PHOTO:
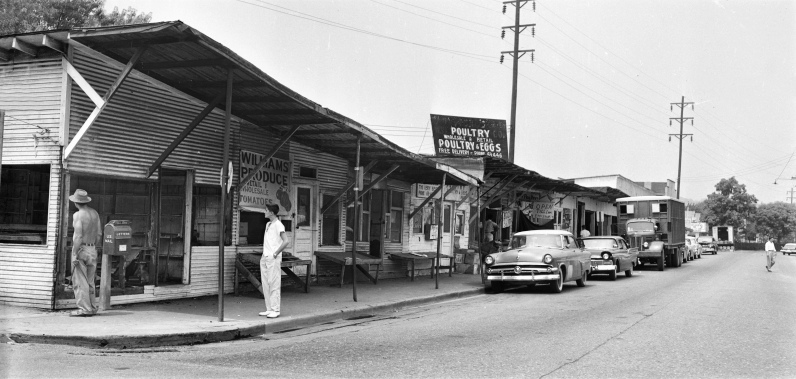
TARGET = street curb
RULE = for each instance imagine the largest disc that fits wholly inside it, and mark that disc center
(233, 333)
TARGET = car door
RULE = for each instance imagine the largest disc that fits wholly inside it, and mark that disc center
(579, 259)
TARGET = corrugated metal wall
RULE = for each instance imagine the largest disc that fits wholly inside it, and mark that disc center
(31, 95)
(139, 122)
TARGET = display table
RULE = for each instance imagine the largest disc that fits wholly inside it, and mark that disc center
(344, 259)
(248, 264)
(422, 257)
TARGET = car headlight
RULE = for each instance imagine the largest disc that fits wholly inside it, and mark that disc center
(606, 256)
(646, 245)
(489, 260)
(547, 259)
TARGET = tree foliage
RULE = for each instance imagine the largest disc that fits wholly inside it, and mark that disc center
(777, 220)
(23, 16)
(730, 205)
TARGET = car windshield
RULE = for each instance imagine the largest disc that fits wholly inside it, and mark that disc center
(789, 246)
(600, 243)
(536, 240)
(705, 239)
(640, 227)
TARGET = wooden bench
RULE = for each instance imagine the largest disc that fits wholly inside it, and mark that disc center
(248, 264)
(344, 259)
(422, 257)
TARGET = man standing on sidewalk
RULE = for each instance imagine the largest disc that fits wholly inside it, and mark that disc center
(274, 242)
(771, 253)
(87, 232)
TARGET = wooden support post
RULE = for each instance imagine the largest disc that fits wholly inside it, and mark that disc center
(222, 211)
(357, 176)
(439, 230)
(105, 283)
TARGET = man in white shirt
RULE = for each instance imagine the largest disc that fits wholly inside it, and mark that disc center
(585, 232)
(771, 253)
(274, 242)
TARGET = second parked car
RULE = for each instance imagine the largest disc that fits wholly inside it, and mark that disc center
(789, 248)
(708, 244)
(694, 248)
(610, 255)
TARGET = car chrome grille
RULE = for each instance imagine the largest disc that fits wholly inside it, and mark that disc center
(524, 270)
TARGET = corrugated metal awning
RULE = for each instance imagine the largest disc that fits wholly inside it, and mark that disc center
(189, 61)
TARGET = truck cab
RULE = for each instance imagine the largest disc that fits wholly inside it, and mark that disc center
(656, 226)
(644, 234)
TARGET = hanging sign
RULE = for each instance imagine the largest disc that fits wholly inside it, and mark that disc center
(539, 209)
(271, 185)
(457, 194)
(464, 136)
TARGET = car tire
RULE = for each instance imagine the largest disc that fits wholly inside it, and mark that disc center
(612, 275)
(660, 261)
(629, 273)
(582, 281)
(557, 286)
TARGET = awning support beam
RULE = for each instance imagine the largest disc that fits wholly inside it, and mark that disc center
(268, 156)
(347, 188)
(426, 201)
(108, 95)
(373, 184)
(188, 129)
(495, 195)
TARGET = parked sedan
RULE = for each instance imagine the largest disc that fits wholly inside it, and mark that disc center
(708, 244)
(693, 247)
(610, 255)
(549, 257)
(789, 248)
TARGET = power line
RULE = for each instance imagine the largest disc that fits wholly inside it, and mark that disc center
(433, 19)
(446, 15)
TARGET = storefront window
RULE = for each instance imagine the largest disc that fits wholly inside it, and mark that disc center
(24, 199)
(396, 216)
(206, 206)
(330, 225)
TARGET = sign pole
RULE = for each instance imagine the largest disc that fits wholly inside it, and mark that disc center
(358, 180)
(439, 229)
(223, 206)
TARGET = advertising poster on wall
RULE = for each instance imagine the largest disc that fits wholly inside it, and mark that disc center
(271, 185)
(465, 136)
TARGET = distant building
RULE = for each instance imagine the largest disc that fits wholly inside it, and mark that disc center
(666, 188)
(615, 182)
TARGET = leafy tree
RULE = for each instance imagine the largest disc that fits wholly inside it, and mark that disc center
(776, 219)
(730, 205)
(23, 16)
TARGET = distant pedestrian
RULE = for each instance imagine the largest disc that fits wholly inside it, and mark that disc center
(274, 242)
(489, 229)
(771, 253)
(87, 233)
(584, 232)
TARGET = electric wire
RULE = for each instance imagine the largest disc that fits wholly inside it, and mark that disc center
(433, 19)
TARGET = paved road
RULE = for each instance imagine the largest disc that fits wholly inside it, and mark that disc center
(721, 316)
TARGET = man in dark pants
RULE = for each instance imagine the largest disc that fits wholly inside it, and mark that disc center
(87, 233)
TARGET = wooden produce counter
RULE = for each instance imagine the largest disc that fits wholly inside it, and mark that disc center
(344, 259)
(248, 264)
(422, 257)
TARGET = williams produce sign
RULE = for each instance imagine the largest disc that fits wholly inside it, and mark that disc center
(464, 136)
(271, 185)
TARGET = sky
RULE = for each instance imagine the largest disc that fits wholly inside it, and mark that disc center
(594, 101)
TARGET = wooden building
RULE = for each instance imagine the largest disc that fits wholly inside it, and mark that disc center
(173, 132)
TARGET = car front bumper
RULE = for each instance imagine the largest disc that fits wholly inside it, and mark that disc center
(602, 267)
(523, 274)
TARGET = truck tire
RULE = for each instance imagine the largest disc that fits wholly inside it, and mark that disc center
(612, 275)
(660, 261)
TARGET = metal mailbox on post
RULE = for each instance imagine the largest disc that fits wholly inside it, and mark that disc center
(115, 241)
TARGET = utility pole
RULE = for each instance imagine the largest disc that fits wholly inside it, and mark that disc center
(516, 54)
(682, 104)
(791, 196)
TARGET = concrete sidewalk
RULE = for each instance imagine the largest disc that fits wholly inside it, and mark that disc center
(195, 320)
